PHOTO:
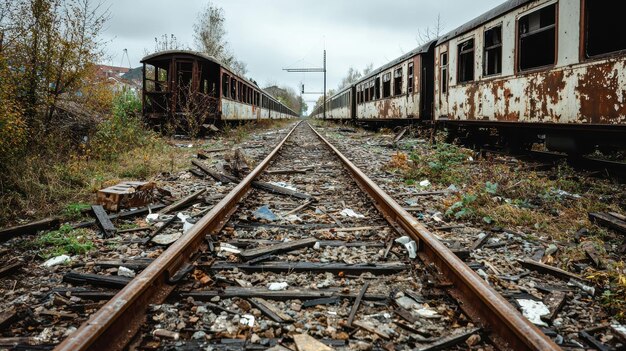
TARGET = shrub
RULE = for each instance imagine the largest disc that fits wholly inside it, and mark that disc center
(123, 131)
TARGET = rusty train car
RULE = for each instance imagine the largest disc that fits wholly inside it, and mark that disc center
(534, 70)
(178, 83)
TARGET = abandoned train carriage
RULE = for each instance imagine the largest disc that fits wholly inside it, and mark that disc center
(537, 68)
(178, 83)
(401, 89)
(530, 69)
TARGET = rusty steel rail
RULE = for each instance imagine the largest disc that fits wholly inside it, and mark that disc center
(114, 325)
(509, 330)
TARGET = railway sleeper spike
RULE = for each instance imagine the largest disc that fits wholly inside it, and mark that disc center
(121, 317)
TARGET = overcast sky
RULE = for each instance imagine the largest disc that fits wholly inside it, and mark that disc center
(269, 35)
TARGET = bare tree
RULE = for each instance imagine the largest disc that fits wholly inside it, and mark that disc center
(210, 37)
(351, 77)
(368, 69)
(429, 33)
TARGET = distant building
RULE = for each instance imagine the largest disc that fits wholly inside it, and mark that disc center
(116, 77)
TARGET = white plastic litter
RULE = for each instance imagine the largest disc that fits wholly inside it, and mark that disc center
(437, 217)
(452, 188)
(55, 261)
(294, 219)
(533, 310)
(427, 313)
(350, 213)
(424, 183)
(407, 303)
(588, 289)
(284, 185)
(224, 247)
(186, 225)
(277, 286)
(410, 245)
(152, 217)
(247, 319)
(317, 245)
(125, 272)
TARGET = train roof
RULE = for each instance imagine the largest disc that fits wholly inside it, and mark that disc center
(417, 51)
(496, 12)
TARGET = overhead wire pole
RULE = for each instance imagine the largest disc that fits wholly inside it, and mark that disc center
(312, 70)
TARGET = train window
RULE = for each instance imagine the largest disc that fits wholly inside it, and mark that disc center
(225, 81)
(537, 39)
(233, 88)
(397, 81)
(367, 91)
(601, 30)
(466, 61)
(444, 72)
(241, 91)
(372, 94)
(493, 51)
(409, 82)
(386, 85)
(377, 90)
(362, 94)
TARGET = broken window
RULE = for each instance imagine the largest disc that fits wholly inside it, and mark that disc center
(466, 61)
(397, 81)
(371, 89)
(233, 88)
(410, 75)
(386, 85)
(601, 36)
(377, 90)
(537, 39)
(225, 81)
(493, 51)
(444, 72)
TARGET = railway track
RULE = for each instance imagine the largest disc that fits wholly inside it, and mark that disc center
(321, 265)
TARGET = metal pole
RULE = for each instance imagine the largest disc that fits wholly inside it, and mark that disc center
(324, 102)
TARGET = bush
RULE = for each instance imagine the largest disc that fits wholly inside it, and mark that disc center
(123, 131)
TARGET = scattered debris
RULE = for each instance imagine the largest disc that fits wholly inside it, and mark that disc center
(346, 212)
(533, 310)
(55, 261)
(409, 244)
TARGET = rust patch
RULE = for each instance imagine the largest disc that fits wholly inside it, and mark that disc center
(598, 89)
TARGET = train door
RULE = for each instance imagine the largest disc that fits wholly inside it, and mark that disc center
(184, 83)
(427, 84)
(353, 102)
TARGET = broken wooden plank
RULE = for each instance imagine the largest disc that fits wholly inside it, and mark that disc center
(284, 295)
(480, 241)
(592, 253)
(299, 208)
(400, 135)
(606, 220)
(554, 301)
(357, 303)
(214, 174)
(15, 341)
(7, 317)
(305, 342)
(405, 314)
(275, 189)
(546, 269)
(182, 202)
(131, 264)
(122, 215)
(449, 341)
(30, 228)
(103, 221)
(370, 328)
(279, 248)
(10, 268)
(96, 279)
(323, 301)
(290, 171)
(591, 340)
(382, 268)
(270, 310)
